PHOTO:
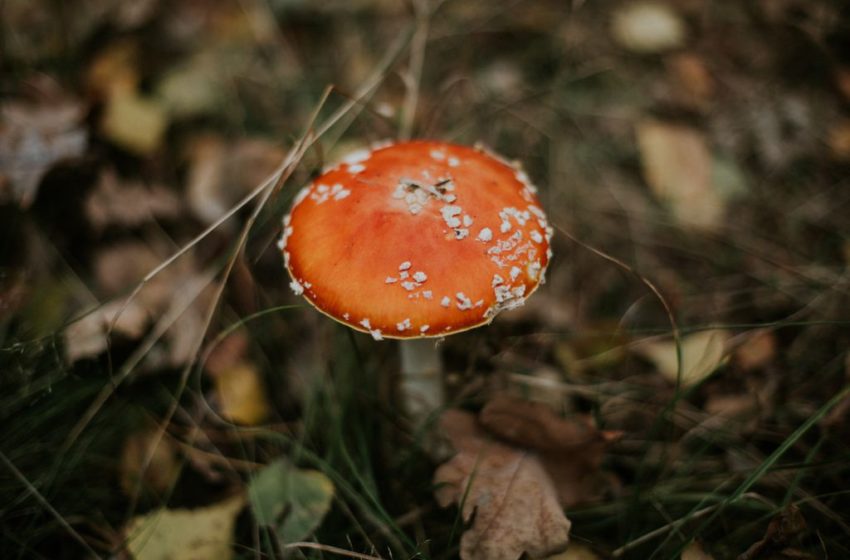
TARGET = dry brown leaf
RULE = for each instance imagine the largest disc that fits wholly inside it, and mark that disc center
(220, 174)
(571, 450)
(576, 552)
(702, 353)
(33, 137)
(508, 492)
(677, 165)
(648, 27)
(128, 204)
(781, 532)
(148, 463)
(87, 337)
(756, 352)
(694, 551)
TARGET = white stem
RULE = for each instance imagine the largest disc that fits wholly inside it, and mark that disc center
(421, 378)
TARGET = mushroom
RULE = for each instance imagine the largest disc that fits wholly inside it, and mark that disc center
(415, 241)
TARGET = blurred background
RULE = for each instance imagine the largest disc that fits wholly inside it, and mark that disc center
(692, 155)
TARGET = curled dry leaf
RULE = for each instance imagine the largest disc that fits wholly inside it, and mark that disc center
(33, 137)
(505, 489)
(134, 122)
(678, 167)
(648, 27)
(129, 204)
(148, 463)
(702, 353)
(87, 337)
(571, 450)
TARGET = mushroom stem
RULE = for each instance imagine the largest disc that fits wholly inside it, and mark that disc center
(421, 378)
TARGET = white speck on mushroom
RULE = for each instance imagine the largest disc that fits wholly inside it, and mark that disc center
(415, 208)
(356, 168)
(302, 194)
(424, 328)
(535, 236)
(366, 324)
(445, 302)
(427, 294)
(454, 162)
(515, 272)
(409, 286)
(322, 189)
(346, 316)
(438, 155)
(420, 276)
(497, 280)
(391, 280)
(281, 243)
(534, 270)
(461, 233)
(307, 285)
(404, 325)
(357, 156)
(286, 258)
(405, 265)
(297, 288)
(403, 275)
(463, 302)
(467, 220)
(376, 334)
(449, 198)
(505, 227)
(450, 213)
(486, 234)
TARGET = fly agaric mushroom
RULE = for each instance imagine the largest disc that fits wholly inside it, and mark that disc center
(417, 240)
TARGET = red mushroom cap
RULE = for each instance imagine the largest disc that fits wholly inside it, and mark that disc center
(417, 239)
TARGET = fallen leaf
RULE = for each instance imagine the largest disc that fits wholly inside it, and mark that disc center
(134, 122)
(194, 87)
(148, 463)
(182, 534)
(129, 204)
(35, 136)
(648, 27)
(782, 530)
(839, 140)
(293, 501)
(757, 351)
(576, 552)
(241, 394)
(678, 167)
(702, 353)
(571, 450)
(114, 69)
(692, 78)
(508, 492)
(221, 173)
(694, 551)
(87, 337)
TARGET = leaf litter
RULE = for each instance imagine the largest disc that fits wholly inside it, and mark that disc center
(517, 465)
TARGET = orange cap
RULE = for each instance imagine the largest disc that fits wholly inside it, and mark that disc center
(417, 239)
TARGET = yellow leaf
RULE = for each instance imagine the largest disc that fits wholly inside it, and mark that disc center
(702, 353)
(241, 394)
(181, 534)
(648, 27)
(134, 122)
